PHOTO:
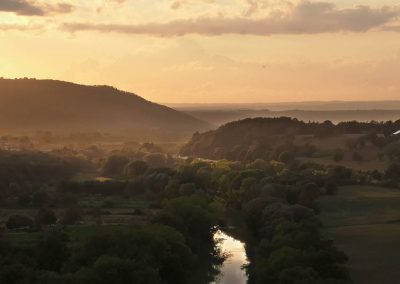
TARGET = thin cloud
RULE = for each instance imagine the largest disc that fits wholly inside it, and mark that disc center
(176, 5)
(304, 18)
(179, 4)
(392, 29)
(31, 8)
(253, 7)
(11, 27)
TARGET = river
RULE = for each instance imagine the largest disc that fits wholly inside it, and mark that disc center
(231, 269)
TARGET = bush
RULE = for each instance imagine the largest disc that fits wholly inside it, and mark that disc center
(331, 187)
(40, 198)
(19, 221)
(71, 216)
(45, 217)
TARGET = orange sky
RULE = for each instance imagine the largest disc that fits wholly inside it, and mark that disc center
(209, 50)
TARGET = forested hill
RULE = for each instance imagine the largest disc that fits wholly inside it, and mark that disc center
(278, 138)
(29, 104)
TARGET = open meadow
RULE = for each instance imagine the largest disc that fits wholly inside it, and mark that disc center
(364, 222)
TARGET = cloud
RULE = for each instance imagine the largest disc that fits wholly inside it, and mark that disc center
(30, 8)
(304, 18)
(61, 8)
(253, 7)
(12, 27)
(199, 76)
(392, 28)
(20, 7)
(178, 4)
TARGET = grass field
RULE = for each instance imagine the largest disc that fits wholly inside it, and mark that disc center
(364, 221)
(328, 146)
(120, 215)
(366, 165)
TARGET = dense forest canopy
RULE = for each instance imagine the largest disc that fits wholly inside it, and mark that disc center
(60, 229)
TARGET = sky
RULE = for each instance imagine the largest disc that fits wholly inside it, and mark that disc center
(209, 51)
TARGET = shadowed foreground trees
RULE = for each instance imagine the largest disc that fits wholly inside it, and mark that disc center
(173, 240)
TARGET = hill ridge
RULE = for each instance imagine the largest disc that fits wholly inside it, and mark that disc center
(32, 104)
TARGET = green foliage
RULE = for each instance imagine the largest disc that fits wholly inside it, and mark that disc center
(192, 217)
(275, 139)
(52, 250)
(136, 168)
(393, 172)
(115, 165)
(45, 216)
(154, 254)
(170, 237)
(288, 244)
(71, 216)
(19, 221)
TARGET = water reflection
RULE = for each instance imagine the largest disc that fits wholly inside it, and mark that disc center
(231, 269)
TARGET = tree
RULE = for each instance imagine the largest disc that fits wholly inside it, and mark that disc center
(286, 157)
(67, 199)
(135, 188)
(114, 270)
(393, 172)
(11, 273)
(187, 189)
(136, 168)
(45, 217)
(308, 194)
(24, 200)
(52, 250)
(193, 218)
(297, 274)
(115, 165)
(71, 216)
(40, 198)
(156, 160)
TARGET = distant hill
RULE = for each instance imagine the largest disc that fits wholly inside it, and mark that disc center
(30, 105)
(222, 116)
(286, 139)
(310, 105)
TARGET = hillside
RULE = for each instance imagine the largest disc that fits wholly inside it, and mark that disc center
(30, 105)
(354, 144)
(283, 106)
(222, 116)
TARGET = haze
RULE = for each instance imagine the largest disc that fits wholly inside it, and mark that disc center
(197, 51)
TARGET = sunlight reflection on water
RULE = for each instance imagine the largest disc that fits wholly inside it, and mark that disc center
(231, 270)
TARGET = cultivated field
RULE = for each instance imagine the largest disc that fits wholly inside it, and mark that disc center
(364, 221)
